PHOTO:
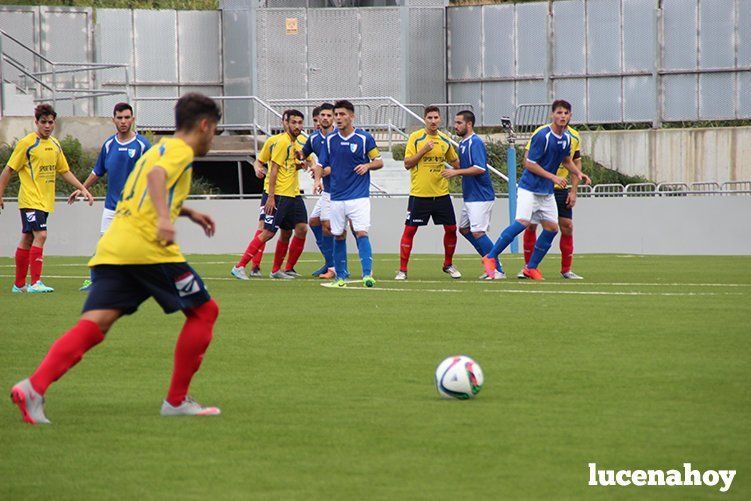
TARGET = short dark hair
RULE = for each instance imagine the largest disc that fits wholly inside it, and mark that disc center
(122, 107)
(431, 109)
(294, 113)
(343, 103)
(326, 106)
(193, 107)
(44, 110)
(468, 116)
(560, 103)
(316, 111)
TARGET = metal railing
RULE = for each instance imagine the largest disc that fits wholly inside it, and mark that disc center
(59, 79)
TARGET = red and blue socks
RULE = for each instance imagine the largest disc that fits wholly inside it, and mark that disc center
(36, 261)
(340, 257)
(449, 244)
(366, 255)
(405, 247)
(507, 236)
(22, 266)
(254, 247)
(279, 253)
(530, 238)
(295, 249)
(567, 252)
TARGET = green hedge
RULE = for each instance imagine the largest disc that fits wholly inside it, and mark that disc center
(124, 4)
(497, 156)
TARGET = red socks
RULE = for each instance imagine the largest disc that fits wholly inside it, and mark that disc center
(192, 343)
(279, 253)
(567, 252)
(295, 249)
(65, 353)
(449, 244)
(259, 255)
(22, 266)
(253, 247)
(406, 246)
(530, 239)
(35, 263)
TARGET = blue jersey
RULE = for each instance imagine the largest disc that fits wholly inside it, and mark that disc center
(117, 159)
(548, 151)
(343, 154)
(472, 153)
(314, 144)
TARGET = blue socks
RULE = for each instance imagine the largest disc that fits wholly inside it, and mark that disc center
(485, 245)
(325, 244)
(507, 236)
(340, 257)
(472, 240)
(542, 246)
(366, 255)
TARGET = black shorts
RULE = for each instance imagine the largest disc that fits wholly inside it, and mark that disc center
(33, 220)
(261, 212)
(289, 212)
(421, 209)
(175, 286)
(560, 201)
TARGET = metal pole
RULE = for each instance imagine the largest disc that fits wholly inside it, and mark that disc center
(240, 176)
(2, 86)
(511, 163)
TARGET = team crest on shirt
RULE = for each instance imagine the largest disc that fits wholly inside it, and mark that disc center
(131, 152)
(352, 147)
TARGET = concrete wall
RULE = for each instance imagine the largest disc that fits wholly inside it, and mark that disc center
(710, 225)
(90, 131)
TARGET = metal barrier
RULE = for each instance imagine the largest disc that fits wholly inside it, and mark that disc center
(529, 117)
(641, 189)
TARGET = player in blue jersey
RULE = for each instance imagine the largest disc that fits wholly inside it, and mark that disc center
(348, 156)
(118, 156)
(477, 188)
(319, 218)
(550, 146)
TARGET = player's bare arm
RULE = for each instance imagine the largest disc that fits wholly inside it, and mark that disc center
(72, 180)
(90, 181)
(273, 174)
(362, 169)
(469, 171)
(259, 169)
(536, 169)
(4, 180)
(571, 197)
(203, 220)
(157, 183)
(410, 162)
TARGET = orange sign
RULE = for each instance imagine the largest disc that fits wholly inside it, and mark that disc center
(291, 25)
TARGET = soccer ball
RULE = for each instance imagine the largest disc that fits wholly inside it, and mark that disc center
(458, 377)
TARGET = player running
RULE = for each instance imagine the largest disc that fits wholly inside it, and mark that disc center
(549, 147)
(137, 258)
(348, 156)
(427, 151)
(477, 188)
(37, 158)
(284, 208)
(319, 218)
(565, 200)
(118, 156)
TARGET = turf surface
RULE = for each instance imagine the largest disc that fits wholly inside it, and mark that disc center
(328, 393)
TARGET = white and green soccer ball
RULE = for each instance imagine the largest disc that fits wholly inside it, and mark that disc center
(458, 377)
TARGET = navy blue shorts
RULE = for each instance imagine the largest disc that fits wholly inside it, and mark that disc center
(175, 286)
(261, 212)
(560, 201)
(289, 212)
(421, 209)
(33, 220)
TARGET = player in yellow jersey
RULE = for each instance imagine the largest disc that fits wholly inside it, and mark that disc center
(137, 258)
(428, 149)
(565, 199)
(284, 209)
(37, 158)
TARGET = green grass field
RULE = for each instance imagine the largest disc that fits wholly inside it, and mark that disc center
(328, 393)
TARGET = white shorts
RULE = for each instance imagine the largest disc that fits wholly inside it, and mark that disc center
(322, 209)
(476, 216)
(536, 208)
(107, 216)
(357, 211)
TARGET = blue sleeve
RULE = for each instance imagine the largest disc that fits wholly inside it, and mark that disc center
(537, 147)
(323, 157)
(307, 148)
(99, 169)
(479, 155)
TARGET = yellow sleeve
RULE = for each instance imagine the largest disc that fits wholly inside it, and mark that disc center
(62, 162)
(174, 161)
(411, 146)
(17, 159)
(451, 154)
(374, 153)
(576, 146)
(265, 154)
(529, 143)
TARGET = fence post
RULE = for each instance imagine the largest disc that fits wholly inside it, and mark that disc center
(659, 43)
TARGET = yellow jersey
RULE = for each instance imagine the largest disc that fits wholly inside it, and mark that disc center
(425, 177)
(131, 239)
(264, 156)
(287, 179)
(37, 162)
(575, 151)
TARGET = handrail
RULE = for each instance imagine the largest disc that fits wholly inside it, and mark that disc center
(24, 46)
(23, 70)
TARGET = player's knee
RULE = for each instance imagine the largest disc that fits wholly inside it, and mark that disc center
(26, 240)
(464, 231)
(39, 238)
(532, 228)
(566, 226)
(449, 228)
(207, 312)
(314, 221)
(478, 234)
